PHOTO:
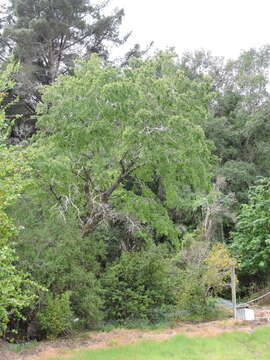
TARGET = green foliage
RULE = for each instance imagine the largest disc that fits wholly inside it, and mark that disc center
(251, 239)
(137, 285)
(121, 162)
(102, 162)
(206, 272)
(16, 290)
(46, 38)
(56, 317)
(6, 83)
(239, 125)
(191, 297)
(52, 250)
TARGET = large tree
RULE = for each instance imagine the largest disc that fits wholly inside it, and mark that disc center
(123, 144)
(46, 36)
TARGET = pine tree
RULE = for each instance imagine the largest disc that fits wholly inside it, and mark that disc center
(48, 34)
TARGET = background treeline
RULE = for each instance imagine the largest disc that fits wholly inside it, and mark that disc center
(128, 188)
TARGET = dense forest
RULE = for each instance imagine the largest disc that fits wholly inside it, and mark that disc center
(128, 188)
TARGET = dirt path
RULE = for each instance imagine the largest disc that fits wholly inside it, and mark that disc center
(94, 340)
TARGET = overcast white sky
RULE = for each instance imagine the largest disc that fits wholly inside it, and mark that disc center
(223, 26)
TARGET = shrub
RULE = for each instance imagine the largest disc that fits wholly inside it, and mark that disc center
(56, 316)
(191, 297)
(56, 256)
(137, 284)
(206, 272)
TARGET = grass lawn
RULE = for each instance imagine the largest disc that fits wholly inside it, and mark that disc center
(228, 346)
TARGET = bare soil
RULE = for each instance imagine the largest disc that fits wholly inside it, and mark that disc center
(93, 340)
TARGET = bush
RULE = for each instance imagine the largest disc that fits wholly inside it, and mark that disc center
(138, 284)
(56, 256)
(206, 272)
(17, 291)
(191, 297)
(56, 317)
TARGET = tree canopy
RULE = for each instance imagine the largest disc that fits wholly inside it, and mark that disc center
(124, 143)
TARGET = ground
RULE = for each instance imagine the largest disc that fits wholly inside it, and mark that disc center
(95, 340)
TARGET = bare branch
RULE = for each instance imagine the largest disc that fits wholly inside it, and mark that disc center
(147, 130)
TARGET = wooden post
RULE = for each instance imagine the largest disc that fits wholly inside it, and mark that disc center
(233, 286)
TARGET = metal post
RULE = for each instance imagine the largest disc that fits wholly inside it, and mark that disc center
(233, 286)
